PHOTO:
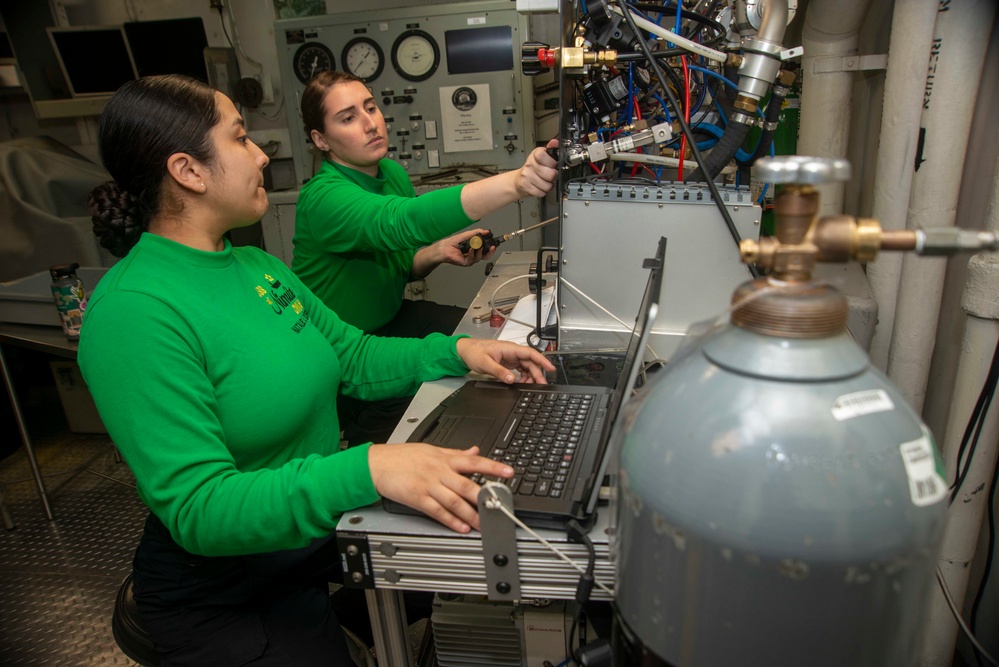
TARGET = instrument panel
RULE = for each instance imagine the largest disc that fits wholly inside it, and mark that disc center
(446, 77)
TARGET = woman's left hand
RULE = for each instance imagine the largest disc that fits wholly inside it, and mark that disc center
(451, 254)
(500, 358)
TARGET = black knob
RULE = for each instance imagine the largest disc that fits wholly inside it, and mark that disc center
(501, 560)
(503, 587)
(386, 101)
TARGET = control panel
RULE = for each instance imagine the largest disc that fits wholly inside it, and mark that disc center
(447, 79)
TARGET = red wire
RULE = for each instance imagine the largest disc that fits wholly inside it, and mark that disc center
(686, 116)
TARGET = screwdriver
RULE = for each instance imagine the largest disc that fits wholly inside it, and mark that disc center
(489, 241)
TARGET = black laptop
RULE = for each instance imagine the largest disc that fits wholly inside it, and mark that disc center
(555, 436)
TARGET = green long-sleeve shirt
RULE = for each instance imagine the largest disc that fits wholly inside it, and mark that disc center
(216, 375)
(356, 236)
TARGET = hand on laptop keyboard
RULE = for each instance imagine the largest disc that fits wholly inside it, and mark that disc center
(434, 480)
(499, 358)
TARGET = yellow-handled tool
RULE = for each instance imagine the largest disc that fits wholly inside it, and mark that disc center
(488, 241)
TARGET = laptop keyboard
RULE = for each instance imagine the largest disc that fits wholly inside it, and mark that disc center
(541, 451)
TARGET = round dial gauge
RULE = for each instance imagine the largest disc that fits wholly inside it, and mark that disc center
(415, 55)
(311, 59)
(363, 58)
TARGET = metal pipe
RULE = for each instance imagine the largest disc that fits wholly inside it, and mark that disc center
(961, 39)
(905, 82)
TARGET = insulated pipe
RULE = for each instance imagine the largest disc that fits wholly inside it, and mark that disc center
(830, 36)
(905, 82)
(961, 39)
(964, 518)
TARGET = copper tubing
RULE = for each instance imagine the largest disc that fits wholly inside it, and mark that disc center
(901, 239)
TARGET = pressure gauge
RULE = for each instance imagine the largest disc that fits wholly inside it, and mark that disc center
(363, 58)
(311, 59)
(415, 55)
(754, 11)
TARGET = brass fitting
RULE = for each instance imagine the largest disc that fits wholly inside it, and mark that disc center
(745, 104)
(785, 78)
(577, 57)
(734, 60)
(801, 239)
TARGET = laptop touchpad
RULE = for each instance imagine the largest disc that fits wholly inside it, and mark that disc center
(468, 432)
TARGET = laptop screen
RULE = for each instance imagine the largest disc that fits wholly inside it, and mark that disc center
(632, 362)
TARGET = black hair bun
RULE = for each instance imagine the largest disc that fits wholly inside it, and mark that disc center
(118, 217)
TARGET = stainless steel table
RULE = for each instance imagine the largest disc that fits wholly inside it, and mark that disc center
(417, 553)
(50, 340)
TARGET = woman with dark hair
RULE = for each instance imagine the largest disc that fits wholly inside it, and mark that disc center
(215, 371)
(361, 233)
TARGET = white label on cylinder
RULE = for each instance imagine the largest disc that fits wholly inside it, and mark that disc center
(926, 485)
(860, 403)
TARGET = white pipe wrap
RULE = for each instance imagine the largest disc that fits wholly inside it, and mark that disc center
(964, 518)
(911, 36)
(831, 30)
(961, 39)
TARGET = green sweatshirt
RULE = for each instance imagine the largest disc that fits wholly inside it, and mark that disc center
(216, 374)
(356, 235)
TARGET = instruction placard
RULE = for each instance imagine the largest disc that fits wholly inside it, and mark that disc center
(466, 118)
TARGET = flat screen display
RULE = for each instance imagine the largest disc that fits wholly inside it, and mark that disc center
(475, 50)
(94, 60)
(172, 46)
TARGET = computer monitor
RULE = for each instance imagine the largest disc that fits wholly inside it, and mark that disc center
(170, 46)
(95, 60)
(475, 50)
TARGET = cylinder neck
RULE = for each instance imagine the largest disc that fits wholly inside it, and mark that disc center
(803, 309)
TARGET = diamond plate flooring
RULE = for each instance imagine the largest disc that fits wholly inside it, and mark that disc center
(58, 578)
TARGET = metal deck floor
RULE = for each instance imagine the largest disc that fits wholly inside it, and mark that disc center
(58, 578)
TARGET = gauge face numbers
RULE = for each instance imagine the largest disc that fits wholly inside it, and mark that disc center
(415, 55)
(311, 59)
(363, 58)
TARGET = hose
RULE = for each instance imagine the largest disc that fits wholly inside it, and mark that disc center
(694, 47)
(728, 146)
(774, 106)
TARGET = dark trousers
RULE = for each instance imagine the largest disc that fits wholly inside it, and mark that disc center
(374, 421)
(261, 610)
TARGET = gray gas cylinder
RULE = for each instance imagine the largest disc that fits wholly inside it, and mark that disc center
(780, 505)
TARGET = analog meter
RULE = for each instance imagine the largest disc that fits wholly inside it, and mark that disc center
(363, 58)
(415, 55)
(311, 59)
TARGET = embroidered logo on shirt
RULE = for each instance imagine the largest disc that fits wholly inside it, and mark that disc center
(280, 297)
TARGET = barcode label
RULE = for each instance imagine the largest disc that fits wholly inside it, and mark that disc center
(860, 403)
(926, 485)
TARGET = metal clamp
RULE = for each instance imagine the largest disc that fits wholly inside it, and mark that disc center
(499, 542)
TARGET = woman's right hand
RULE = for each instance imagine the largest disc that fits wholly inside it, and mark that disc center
(539, 172)
(433, 480)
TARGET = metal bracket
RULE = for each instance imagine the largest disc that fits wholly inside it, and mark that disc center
(849, 63)
(793, 52)
(355, 559)
(499, 542)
